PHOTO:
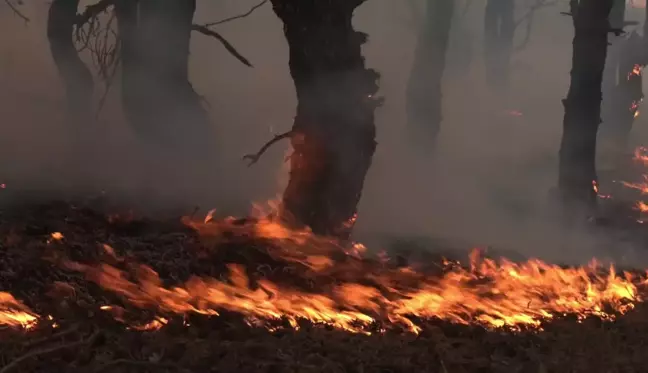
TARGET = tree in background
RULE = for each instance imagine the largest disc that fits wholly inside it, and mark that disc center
(158, 98)
(499, 30)
(424, 92)
(333, 135)
(151, 45)
(623, 91)
(577, 166)
(76, 76)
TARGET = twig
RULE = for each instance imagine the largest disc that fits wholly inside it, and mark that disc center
(149, 364)
(230, 48)
(259, 5)
(254, 158)
(16, 11)
(109, 81)
(54, 336)
(45, 351)
(92, 11)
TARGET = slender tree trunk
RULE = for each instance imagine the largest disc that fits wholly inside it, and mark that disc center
(577, 160)
(75, 74)
(334, 127)
(499, 29)
(159, 101)
(623, 89)
(424, 94)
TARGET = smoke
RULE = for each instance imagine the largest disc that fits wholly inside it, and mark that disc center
(487, 183)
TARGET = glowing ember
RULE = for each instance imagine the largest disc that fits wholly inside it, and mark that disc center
(642, 206)
(57, 236)
(641, 155)
(636, 71)
(15, 314)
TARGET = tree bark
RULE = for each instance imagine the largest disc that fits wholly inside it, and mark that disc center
(577, 158)
(158, 99)
(424, 93)
(499, 29)
(75, 74)
(334, 127)
(622, 84)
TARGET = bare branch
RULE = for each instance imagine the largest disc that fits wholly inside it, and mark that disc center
(49, 350)
(16, 10)
(230, 48)
(259, 5)
(93, 11)
(254, 158)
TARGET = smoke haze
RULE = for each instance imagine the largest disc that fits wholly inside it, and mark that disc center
(487, 184)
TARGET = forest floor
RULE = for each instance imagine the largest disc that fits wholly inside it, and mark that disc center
(75, 337)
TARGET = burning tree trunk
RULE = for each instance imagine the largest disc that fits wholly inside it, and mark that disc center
(158, 98)
(499, 29)
(334, 132)
(623, 87)
(76, 76)
(424, 96)
(577, 168)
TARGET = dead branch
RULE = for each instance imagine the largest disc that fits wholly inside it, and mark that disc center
(254, 158)
(230, 48)
(529, 18)
(93, 11)
(16, 11)
(259, 5)
(147, 364)
(48, 350)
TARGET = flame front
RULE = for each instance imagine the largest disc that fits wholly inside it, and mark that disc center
(15, 314)
(490, 293)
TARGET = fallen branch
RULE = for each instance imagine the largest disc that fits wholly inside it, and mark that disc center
(46, 351)
(147, 364)
(230, 48)
(254, 158)
(259, 5)
(16, 11)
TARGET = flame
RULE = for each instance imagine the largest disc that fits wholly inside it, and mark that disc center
(490, 293)
(15, 314)
(642, 206)
(636, 71)
(57, 236)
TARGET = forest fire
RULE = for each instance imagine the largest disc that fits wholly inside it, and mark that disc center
(362, 298)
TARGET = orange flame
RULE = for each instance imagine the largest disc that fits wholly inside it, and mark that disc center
(491, 293)
(15, 314)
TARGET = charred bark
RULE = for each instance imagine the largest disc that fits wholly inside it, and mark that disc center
(158, 99)
(424, 94)
(499, 29)
(75, 74)
(623, 91)
(334, 127)
(577, 165)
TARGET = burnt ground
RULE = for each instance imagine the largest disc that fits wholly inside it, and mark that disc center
(85, 340)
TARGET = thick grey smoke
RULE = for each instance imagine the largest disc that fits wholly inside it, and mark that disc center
(487, 184)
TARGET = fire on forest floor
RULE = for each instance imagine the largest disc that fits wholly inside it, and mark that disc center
(104, 293)
(84, 288)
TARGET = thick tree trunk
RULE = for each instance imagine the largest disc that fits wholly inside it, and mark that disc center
(424, 95)
(75, 74)
(577, 160)
(499, 29)
(334, 127)
(158, 99)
